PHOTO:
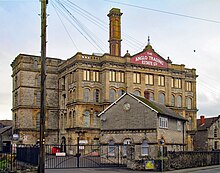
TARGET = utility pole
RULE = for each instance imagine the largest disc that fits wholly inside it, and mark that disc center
(43, 86)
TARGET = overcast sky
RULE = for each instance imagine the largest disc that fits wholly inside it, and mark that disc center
(188, 31)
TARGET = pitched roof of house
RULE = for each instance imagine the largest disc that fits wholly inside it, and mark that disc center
(160, 108)
(208, 123)
(4, 129)
(157, 107)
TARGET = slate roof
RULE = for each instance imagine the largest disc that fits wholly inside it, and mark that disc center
(157, 107)
(208, 123)
(160, 108)
(4, 129)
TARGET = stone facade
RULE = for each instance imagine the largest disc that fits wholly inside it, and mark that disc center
(84, 85)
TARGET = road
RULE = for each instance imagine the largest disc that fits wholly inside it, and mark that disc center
(210, 169)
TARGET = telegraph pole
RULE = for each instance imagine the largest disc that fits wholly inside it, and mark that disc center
(43, 86)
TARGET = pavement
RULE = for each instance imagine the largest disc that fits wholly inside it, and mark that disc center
(125, 170)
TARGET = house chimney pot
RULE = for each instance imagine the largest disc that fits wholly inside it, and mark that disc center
(202, 117)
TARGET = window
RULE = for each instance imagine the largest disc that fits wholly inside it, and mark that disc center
(173, 100)
(38, 121)
(86, 96)
(111, 148)
(136, 78)
(163, 122)
(112, 95)
(35, 64)
(125, 146)
(70, 119)
(179, 124)
(95, 76)
(161, 81)
(121, 92)
(151, 96)
(38, 80)
(16, 82)
(161, 98)
(216, 145)
(120, 77)
(112, 76)
(189, 103)
(149, 79)
(15, 120)
(96, 95)
(179, 101)
(86, 118)
(188, 86)
(86, 75)
(176, 83)
(144, 148)
(137, 93)
(215, 132)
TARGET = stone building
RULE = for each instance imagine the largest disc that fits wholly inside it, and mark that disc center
(207, 137)
(136, 120)
(79, 88)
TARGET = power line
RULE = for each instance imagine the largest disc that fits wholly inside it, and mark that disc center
(64, 26)
(165, 12)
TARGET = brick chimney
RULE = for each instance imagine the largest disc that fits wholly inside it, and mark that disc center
(147, 95)
(202, 117)
(115, 31)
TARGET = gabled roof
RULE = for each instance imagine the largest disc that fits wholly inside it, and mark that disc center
(208, 123)
(4, 129)
(154, 106)
(161, 109)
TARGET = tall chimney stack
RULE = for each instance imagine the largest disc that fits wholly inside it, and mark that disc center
(115, 31)
(202, 117)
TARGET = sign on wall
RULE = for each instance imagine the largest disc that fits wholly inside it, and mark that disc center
(149, 58)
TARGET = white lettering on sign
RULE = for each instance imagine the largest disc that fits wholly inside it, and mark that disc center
(149, 60)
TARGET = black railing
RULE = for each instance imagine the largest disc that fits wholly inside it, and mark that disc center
(28, 154)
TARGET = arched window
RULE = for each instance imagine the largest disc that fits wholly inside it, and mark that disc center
(121, 92)
(86, 95)
(161, 98)
(125, 145)
(74, 118)
(137, 93)
(35, 64)
(111, 148)
(74, 95)
(112, 95)
(179, 101)
(189, 103)
(96, 95)
(173, 100)
(151, 95)
(144, 148)
(86, 118)
(38, 121)
(70, 120)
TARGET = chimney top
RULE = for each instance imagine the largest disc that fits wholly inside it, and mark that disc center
(202, 117)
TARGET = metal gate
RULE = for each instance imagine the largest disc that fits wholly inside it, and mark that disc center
(85, 156)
